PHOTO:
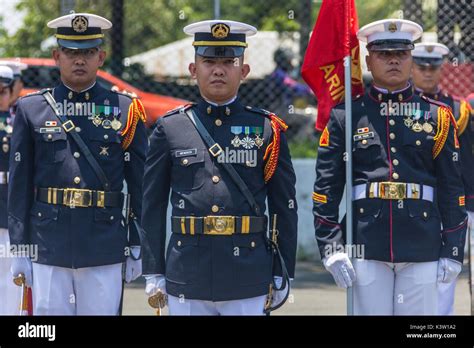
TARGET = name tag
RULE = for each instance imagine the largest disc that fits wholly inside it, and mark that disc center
(185, 153)
(50, 130)
(359, 137)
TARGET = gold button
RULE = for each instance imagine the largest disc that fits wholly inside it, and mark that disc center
(392, 136)
(77, 155)
(248, 164)
(218, 123)
(364, 142)
(418, 142)
(395, 162)
(39, 214)
(106, 136)
(78, 129)
(252, 244)
(77, 180)
(111, 218)
(393, 149)
(215, 208)
(5, 139)
(184, 162)
(395, 176)
(215, 179)
(361, 210)
(179, 243)
(50, 136)
(391, 122)
(425, 214)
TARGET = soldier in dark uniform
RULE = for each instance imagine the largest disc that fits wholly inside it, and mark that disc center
(9, 293)
(66, 197)
(219, 260)
(17, 68)
(426, 74)
(407, 183)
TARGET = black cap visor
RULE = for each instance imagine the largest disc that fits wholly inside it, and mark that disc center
(219, 51)
(424, 61)
(390, 45)
(80, 44)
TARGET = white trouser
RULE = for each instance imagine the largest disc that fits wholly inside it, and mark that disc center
(384, 288)
(83, 291)
(10, 294)
(446, 298)
(247, 306)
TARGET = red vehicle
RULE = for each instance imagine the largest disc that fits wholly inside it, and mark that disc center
(43, 73)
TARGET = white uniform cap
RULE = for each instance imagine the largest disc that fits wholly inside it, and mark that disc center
(16, 66)
(390, 34)
(80, 30)
(6, 76)
(220, 38)
(429, 54)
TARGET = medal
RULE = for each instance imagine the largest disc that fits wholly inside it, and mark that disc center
(116, 124)
(408, 122)
(258, 141)
(248, 143)
(427, 127)
(107, 124)
(236, 141)
(417, 127)
(97, 120)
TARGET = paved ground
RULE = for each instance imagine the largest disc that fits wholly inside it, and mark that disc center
(314, 293)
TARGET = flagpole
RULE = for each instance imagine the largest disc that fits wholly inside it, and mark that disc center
(348, 138)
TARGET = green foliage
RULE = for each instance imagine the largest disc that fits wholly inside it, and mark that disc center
(303, 148)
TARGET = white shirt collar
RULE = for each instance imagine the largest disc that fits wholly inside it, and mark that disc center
(226, 103)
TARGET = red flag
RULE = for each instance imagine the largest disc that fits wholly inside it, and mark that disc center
(334, 36)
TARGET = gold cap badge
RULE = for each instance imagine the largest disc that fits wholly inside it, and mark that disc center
(80, 24)
(220, 30)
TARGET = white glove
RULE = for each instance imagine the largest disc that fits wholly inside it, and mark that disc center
(340, 266)
(133, 268)
(448, 270)
(22, 265)
(155, 283)
(279, 295)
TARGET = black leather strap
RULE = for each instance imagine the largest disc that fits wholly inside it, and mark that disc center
(214, 149)
(69, 127)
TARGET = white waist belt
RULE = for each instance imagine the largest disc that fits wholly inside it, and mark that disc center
(377, 189)
(3, 178)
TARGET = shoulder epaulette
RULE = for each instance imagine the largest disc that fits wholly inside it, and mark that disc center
(179, 110)
(125, 93)
(136, 112)
(432, 101)
(40, 92)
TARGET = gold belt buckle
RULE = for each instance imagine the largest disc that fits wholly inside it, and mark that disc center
(77, 198)
(219, 225)
(392, 190)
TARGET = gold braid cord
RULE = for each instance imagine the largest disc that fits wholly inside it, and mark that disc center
(464, 114)
(273, 149)
(136, 112)
(445, 116)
